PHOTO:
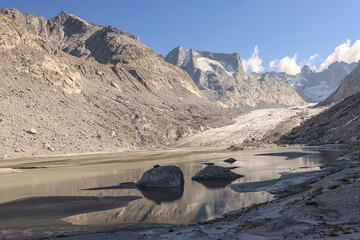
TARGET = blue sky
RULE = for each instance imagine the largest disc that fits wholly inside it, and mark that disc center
(279, 28)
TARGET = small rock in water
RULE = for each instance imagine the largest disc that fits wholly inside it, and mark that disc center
(230, 160)
(216, 172)
(156, 166)
(208, 163)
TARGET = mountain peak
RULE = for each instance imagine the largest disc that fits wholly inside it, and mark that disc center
(177, 56)
(306, 70)
(63, 16)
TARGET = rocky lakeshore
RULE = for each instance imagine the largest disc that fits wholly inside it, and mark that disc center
(327, 207)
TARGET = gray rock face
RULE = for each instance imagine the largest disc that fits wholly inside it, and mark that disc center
(316, 86)
(221, 78)
(90, 88)
(163, 176)
(215, 172)
(338, 124)
(348, 86)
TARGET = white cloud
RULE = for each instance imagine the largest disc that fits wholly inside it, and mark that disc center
(286, 64)
(273, 64)
(345, 53)
(254, 62)
(312, 57)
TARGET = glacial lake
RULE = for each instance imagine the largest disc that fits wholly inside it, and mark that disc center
(57, 190)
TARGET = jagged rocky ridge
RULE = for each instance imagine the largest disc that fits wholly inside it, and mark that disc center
(221, 78)
(348, 86)
(316, 86)
(114, 92)
(338, 124)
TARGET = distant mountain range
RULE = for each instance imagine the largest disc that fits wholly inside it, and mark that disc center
(221, 77)
(316, 86)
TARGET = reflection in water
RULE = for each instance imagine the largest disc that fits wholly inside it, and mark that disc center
(288, 155)
(160, 195)
(125, 185)
(214, 184)
(37, 211)
(195, 202)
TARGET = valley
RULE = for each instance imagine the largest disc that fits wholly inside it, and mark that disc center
(86, 109)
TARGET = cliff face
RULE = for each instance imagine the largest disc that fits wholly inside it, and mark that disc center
(71, 86)
(221, 78)
(348, 86)
(338, 124)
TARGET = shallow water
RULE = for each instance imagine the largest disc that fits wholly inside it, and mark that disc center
(70, 176)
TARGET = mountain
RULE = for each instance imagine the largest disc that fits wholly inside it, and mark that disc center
(67, 85)
(221, 77)
(316, 86)
(348, 86)
(338, 124)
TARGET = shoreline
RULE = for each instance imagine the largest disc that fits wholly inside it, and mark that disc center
(319, 211)
(218, 227)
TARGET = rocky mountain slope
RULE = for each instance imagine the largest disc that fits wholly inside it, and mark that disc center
(114, 92)
(338, 124)
(316, 86)
(222, 79)
(348, 86)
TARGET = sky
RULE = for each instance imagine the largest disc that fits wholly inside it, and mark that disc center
(279, 35)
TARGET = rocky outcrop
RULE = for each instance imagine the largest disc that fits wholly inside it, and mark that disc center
(338, 124)
(348, 86)
(162, 177)
(215, 173)
(84, 87)
(222, 79)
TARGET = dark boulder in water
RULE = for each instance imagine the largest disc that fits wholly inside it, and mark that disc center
(162, 176)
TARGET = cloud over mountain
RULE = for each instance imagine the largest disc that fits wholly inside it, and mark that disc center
(343, 53)
(254, 62)
(286, 64)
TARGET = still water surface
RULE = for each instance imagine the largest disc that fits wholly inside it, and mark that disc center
(71, 176)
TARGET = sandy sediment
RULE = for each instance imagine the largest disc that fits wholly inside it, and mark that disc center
(4, 171)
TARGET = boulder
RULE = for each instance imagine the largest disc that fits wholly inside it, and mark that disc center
(162, 176)
(215, 172)
(230, 160)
